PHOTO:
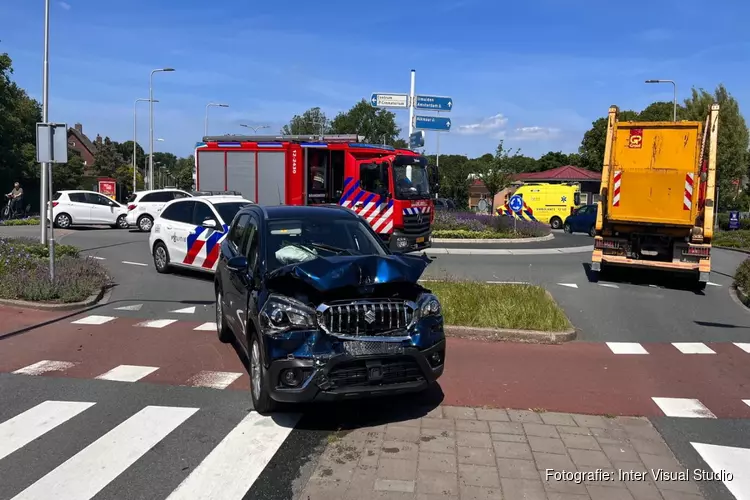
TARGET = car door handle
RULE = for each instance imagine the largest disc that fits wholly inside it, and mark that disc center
(169, 227)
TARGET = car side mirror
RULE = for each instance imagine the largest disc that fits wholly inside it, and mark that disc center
(237, 264)
(111, 203)
(210, 223)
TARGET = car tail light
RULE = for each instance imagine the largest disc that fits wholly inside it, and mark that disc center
(702, 251)
(55, 203)
(606, 244)
(131, 207)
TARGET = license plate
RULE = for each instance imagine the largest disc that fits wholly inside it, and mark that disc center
(372, 348)
(420, 240)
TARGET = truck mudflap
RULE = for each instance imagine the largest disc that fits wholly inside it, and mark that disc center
(699, 264)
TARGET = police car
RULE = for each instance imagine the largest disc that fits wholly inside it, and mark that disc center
(188, 232)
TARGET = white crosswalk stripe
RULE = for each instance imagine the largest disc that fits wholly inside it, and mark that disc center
(247, 447)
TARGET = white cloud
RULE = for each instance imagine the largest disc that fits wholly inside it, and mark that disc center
(488, 125)
(534, 133)
(64, 5)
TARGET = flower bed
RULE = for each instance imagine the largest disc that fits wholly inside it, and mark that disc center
(468, 225)
(27, 221)
(24, 273)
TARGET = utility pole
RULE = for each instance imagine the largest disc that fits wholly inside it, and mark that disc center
(411, 101)
(45, 180)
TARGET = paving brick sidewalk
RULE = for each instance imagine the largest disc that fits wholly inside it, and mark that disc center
(477, 454)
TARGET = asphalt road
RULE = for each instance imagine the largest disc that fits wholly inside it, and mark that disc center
(640, 310)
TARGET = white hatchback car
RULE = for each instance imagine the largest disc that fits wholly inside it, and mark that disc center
(78, 207)
(189, 231)
(144, 206)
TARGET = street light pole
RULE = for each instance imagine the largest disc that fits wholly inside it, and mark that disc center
(674, 99)
(135, 140)
(45, 116)
(216, 105)
(255, 129)
(151, 124)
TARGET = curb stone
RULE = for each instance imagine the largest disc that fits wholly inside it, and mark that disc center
(47, 306)
(509, 335)
(742, 295)
(474, 241)
(731, 249)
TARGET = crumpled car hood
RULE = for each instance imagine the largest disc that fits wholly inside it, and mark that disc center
(338, 271)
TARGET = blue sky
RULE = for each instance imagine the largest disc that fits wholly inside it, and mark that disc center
(535, 73)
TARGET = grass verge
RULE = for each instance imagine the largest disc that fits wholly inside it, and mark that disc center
(733, 239)
(516, 307)
(29, 221)
(24, 273)
(465, 234)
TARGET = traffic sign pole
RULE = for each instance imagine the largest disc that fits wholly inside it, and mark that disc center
(411, 100)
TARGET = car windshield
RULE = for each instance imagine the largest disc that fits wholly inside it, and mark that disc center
(411, 182)
(291, 241)
(227, 211)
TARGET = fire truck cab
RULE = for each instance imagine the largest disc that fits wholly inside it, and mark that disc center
(393, 189)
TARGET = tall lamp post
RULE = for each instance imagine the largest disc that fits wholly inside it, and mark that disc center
(254, 129)
(135, 140)
(151, 124)
(45, 179)
(674, 100)
(209, 105)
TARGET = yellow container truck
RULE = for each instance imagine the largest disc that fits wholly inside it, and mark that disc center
(656, 209)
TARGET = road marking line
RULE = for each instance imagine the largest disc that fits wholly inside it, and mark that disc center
(134, 263)
(44, 367)
(214, 380)
(156, 323)
(744, 346)
(96, 257)
(569, 285)
(746, 401)
(626, 348)
(683, 408)
(728, 460)
(210, 326)
(249, 448)
(127, 373)
(608, 285)
(93, 320)
(134, 307)
(22, 429)
(693, 348)
(187, 310)
(710, 283)
(85, 474)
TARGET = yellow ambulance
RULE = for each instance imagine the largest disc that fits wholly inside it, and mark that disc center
(545, 202)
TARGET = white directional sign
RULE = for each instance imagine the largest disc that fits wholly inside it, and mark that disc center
(389, 100)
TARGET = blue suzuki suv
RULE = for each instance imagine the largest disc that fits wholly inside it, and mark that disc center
(322, 309)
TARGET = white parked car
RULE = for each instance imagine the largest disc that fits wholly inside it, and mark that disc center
(144, 206)
(77, 207)
(189, 231)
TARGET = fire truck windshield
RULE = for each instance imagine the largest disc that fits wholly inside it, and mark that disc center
(411, 182)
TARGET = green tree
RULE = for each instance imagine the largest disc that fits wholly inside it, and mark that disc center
(126, 151)
(732, 156)
(183, 173)
(107, 158)
(592, 146)
(378, 126)
(661, 111)
(166, 160)
(455, 172)
(551, 160)
(311, 122)
(68, 175)
(496, 172)
(19, 114)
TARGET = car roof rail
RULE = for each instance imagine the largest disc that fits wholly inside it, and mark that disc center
(216, 193)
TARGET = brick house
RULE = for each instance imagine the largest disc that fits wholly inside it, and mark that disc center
(79, 142)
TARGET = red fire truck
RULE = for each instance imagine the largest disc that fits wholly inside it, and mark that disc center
(389, 187)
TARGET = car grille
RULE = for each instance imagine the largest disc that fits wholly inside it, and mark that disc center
(412, 224)
(394, 371)
(365, 318)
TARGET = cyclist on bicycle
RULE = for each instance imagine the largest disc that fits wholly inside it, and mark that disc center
(16, 198)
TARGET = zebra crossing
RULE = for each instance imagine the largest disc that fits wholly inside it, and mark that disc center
(227, 471)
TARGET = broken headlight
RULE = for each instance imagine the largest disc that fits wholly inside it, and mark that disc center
(429, 305)
(281, 314)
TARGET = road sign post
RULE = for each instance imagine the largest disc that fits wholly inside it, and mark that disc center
(516, 205)
(384, 100)
(433, 103)
(51, 148)
(436, 123)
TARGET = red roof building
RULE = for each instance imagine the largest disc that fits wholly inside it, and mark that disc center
(566, 173)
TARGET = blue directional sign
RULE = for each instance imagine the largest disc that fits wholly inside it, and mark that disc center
(432, 123)
(433, 102)
(734, 219)
(515, 203)
(416, 140)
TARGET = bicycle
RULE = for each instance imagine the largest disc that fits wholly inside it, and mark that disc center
(8, 212)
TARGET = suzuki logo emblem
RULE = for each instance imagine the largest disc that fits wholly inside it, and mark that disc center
(370, 316)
